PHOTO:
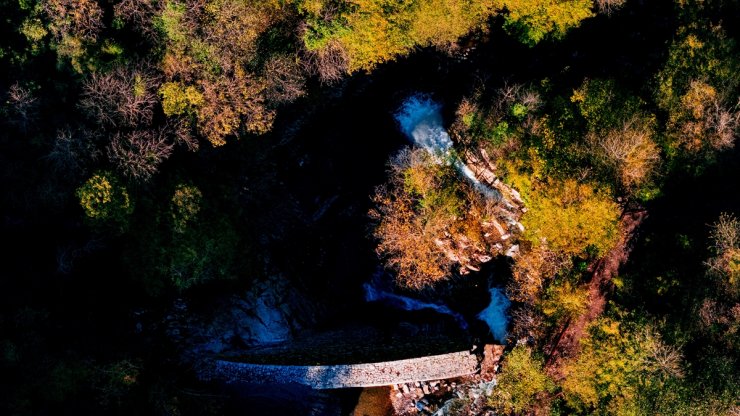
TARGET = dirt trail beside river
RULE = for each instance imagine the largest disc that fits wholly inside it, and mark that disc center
(567, 343)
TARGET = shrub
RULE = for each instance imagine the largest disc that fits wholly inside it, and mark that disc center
(522, 383)
(105, 202)
(565, 301)
(185, 206)
(570, 217)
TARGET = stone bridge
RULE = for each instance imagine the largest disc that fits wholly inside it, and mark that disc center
(435, 367)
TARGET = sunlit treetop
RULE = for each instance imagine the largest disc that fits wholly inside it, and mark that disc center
(370, 32)
(105, 201)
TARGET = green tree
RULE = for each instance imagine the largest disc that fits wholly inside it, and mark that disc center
(619, 361)
(605, 105)
(186, 241)
(522, 384)
(370, 32)
(570, 217)
(565, 300)
(533, 20)
(697, 87)
(105, 202)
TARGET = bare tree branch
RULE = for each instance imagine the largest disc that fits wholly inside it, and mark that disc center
(139, 153)
(123, 97)
(23, 107)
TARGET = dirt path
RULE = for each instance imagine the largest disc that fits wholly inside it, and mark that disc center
(567, 342)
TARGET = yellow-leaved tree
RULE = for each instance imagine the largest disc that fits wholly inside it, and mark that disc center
(570, 217)
(533, 20)
(105, 201)
(369, 32)
(618, 361)
(522, 384)
(429, 220)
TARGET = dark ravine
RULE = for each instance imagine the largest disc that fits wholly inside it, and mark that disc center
(330, 168)
(328, 164)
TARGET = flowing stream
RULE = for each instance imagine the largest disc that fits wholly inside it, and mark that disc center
(496, 314)
(420, 119)
(374, 294)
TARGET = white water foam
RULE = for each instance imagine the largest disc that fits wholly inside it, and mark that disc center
(495, 314)
(373, 294)
(420, 119)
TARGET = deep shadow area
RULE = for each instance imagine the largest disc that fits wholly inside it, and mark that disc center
(329, 167)
(666, 269)
(298, 199)
(376, 333)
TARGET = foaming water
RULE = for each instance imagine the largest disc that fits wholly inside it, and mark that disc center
(373, 294)
(495, 314)
(420, 119)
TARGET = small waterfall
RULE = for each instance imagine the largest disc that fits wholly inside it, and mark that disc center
(373, 294)
(495, 314)
(420, 119)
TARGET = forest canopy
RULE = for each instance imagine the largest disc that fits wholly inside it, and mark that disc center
(175, 171)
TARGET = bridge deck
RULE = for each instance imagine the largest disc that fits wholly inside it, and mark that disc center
(433, 367)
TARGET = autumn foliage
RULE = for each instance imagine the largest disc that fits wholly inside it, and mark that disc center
(693, 87)
(427, 219)
(571, 217)
(105, 201)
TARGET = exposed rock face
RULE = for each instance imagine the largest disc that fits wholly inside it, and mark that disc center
(491, 356)
(270, 311)
(501, 225)
(466, 395)
(484, 169)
